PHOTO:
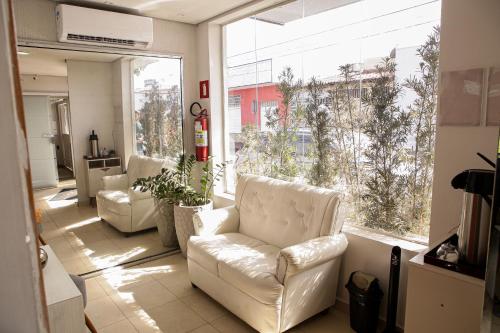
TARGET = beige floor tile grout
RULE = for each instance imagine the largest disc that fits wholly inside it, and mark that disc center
(142, 308)
(126, 319)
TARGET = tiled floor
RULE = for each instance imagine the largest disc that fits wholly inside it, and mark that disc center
(82, 242)
(158, 297)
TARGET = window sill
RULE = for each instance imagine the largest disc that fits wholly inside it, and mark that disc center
(222, 199)
(225, 196)
(383, 238)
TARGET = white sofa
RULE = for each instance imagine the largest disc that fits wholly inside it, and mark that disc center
(273, 258)
(126, 209)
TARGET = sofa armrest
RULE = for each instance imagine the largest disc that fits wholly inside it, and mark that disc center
(311, 253)
(217, 221)
(136, 194)
(116, 182)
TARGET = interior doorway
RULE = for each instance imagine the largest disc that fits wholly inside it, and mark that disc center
(64, 147)
(41, 134)
(50, 149)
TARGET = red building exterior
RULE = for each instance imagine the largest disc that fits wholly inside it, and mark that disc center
(251, 99)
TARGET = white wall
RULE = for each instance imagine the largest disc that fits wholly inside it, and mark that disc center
(371, 254)
(91, 104)
(469, 39)
(170, 38)
(210, 59)
(44, 84)
(123, 133)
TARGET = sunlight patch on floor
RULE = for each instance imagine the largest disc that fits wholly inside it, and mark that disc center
(83, 223)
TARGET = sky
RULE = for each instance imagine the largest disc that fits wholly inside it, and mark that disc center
(166, 71)
(317, 45)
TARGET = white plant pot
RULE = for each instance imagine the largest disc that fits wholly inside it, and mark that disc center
(166, 224)
(184, 222)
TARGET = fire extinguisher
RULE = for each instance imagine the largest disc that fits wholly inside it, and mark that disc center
(200, 132)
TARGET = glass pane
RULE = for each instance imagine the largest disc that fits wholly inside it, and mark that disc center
(157, 106)
(341, 96)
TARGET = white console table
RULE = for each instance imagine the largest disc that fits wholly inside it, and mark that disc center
(64, 300)
(439, 300)
(96, 168)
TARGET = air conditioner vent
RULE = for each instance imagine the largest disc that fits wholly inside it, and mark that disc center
(103, 28)
(104, 40)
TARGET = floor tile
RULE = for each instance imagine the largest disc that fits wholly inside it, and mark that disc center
(204, 306)
(75, 266)
(205, 329)
(50, 230)
(231, 324)
(178, 283)
(103, 312)
(121, 277)
(94, 289)
(324, 322)
(171, 317)
(144, 323)
(133, 298)
(63, 249)
(123, 326)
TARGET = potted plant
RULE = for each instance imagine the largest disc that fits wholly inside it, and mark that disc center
(176, 189)
(162, 189)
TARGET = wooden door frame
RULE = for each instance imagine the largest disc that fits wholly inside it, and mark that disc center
(23, 307)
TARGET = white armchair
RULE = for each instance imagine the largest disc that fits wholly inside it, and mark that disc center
(273, 258)
(126, 209)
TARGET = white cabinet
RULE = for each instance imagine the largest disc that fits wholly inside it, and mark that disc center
(439, 300)
(64, 300)
(96, 168)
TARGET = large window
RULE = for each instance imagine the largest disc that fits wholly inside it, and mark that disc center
(339, 96)
(157, 106)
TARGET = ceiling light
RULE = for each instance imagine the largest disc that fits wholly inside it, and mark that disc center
(22, 53)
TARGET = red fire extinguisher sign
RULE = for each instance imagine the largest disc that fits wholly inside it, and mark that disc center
(204, 89)
(200, 133)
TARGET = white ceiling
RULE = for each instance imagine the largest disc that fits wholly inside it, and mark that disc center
(299, 9)
(53, 62)
(187, 11)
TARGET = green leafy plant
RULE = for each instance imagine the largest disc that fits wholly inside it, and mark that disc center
(387, 130)
(177, 186)
(209, 177)
(318, 118)
(422, 113)
(284, 122)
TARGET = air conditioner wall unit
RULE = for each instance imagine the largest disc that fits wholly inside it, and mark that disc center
(99, 27)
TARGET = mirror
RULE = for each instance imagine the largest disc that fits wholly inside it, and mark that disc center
(133, 103)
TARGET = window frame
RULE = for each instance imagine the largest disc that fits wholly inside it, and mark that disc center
(230, 193)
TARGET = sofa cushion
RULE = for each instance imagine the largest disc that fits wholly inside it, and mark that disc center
(207, 251)
(143, 166)
(116, 202)
(283, 213)
(254, 273)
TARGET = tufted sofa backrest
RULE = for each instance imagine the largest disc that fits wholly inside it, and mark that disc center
(282, 213)
(143, 166)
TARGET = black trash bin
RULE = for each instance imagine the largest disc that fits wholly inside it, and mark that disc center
(364, 302)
